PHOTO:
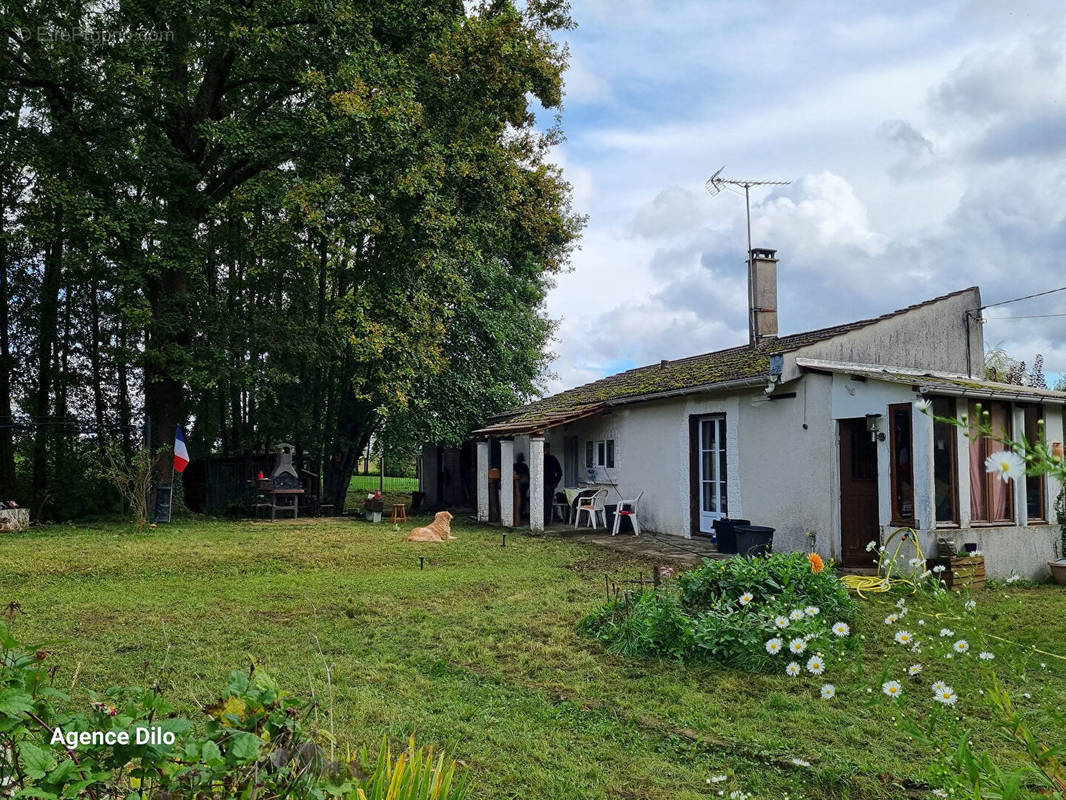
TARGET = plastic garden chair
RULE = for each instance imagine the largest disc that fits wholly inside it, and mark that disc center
(592, 506)
(627, 508)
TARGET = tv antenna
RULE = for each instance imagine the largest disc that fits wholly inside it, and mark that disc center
(714, 185)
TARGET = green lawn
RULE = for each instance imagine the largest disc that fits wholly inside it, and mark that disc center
(477, 653)
(368, 483)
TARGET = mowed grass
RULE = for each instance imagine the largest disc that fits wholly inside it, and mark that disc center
(477, 652)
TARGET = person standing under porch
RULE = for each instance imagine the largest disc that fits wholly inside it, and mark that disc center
(521, 471)
(553, 473)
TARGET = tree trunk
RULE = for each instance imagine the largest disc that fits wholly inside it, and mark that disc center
(47, 321)
(94, 364)
(124, 416)
(7, 444)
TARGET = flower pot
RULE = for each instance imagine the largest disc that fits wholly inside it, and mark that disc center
(373, 516)
(1058, 571)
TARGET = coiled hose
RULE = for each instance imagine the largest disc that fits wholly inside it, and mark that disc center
(883, 581)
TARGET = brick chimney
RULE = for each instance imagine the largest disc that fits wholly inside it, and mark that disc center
(762, 294)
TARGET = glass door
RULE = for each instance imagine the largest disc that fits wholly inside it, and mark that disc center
(712, 483)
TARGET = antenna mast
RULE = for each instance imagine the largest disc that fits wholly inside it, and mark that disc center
(714, 185)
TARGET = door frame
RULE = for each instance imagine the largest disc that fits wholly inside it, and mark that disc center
(842, 480)
(696, 512)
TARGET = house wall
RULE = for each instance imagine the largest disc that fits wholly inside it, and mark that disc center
(652, 455)
(931, 337)
(1020, 549)
(783, 468)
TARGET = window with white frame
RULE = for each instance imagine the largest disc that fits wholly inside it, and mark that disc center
(599, 453)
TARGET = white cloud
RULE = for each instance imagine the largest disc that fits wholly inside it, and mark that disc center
(904, 128)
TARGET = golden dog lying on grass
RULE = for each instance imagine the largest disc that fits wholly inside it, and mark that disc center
(439, 530)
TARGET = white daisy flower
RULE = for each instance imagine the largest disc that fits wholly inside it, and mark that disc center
(901, 602)
(816, 664)
(797, 645)
(914, 669)
(986, 656)
(812, 611)
(939, 686)
(746, 598)
(970, 605)
(939, 568)
(921, 622)
(773, 647)
(903, 637)
(947, 696)
(716, 779)
(923, 406)
(916, 562)
(841, 629)
(891, 619)
(793, 669)
(891, 688)
(796, 614)
(1006, 465)
(829, 691)
(781, 622)
(947, 632)
(961, 646)
(870, 547)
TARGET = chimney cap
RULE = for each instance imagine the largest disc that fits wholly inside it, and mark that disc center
(763, 253)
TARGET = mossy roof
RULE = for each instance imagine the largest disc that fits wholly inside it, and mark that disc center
(695, 374)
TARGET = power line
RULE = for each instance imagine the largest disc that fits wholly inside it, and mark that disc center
(1027, 297)
(1028, 316)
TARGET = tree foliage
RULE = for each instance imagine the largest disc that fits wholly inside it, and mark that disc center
(296, 221)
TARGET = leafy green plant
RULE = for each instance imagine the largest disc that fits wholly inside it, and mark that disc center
(739, 612)
(256, 741)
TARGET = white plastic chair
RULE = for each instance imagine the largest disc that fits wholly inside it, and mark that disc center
(592, 506)
(627, 508)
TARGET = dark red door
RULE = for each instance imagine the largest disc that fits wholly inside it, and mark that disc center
(858, 493)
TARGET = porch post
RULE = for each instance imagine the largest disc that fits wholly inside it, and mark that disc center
(483, 481)
(1021, 506)
(922, 464)
(536, 482)
(507, 483)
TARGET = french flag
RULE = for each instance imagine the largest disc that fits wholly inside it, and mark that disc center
(181, 452)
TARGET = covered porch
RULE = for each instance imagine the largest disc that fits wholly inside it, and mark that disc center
(504, 444)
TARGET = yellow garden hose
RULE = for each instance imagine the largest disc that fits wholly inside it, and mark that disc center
(883, 581)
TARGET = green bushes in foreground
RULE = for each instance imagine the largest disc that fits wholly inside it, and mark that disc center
(738, 612)
(255, 742)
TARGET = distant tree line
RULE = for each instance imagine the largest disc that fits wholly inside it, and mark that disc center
(304, 221)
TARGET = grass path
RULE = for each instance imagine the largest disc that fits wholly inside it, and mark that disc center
(477, 652)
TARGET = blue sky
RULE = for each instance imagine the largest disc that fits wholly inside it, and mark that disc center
(926, 144)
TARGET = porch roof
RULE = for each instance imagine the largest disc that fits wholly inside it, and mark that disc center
(942, 383)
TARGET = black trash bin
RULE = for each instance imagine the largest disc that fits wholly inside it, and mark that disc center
(625, 526)
(725, 533)
(753, 540)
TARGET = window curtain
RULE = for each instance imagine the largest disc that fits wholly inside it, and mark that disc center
(977, 471)
(1000, 489)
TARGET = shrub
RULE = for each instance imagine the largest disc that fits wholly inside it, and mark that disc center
(254, 742)
(785, 578)
(726, 612)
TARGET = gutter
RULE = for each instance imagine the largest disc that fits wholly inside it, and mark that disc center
(990, 394)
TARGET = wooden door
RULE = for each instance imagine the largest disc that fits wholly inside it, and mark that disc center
(570, 461)
(858, 493)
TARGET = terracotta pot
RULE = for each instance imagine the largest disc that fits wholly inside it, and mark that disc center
(1058, 571)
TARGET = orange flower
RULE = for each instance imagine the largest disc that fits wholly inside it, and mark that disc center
(817, 565)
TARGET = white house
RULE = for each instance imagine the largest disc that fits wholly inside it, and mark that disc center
(810, 433)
